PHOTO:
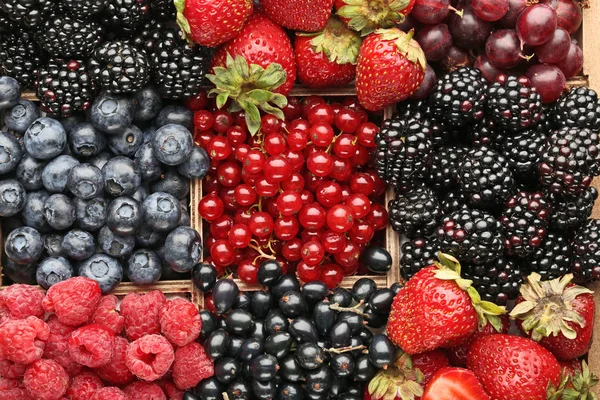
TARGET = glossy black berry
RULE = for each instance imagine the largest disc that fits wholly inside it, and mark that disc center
(269, 272)
(224, 295)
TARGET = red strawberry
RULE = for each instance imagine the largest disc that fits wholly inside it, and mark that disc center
(514, 368)
(454, 384)
(328, 58)
(391, 66)
(581, 380)
(429, 363)
(437, 308)
(458, 355)
(557, 314)
(299, 15)
(212, 22)
(367, 15)
(398, 382)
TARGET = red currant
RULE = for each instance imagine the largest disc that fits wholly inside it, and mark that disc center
(219, 228)
(295, 158)
(331, 275)
(313, 252)
(342, 169)
(339, 218)
(245, 195)
(312, 234)
(329, 193)
(349, 256)
(261, 224)
(286, 228)
(312, 216)
(289, 202)
(222, 253)
(197, 102)
(211, 207)
(300, 124)
(309, 102)
(347, 120)
(378, 216)
(241, 152)
(223, 121)
(209, 304)
(307, 273)
(247, 272)
(236, 135)
(203, 138)
(240, 236)
(274, 144)
(210, 184)
(269, 124)
(219, 148)
(362, 183)
(203, 120)
(336, 107)
(311, 181)
(320, 163)
(293, 109)
(243, 216)
(361, 157)
(265, 188)
(321, 113)
(334, 242)
(380, 186)
(297, 140)
(307, 197)
(361, 232)
(229, 173)
(277, 169)
(292, 249)
(345, 145)
(366, 134)
(270, 205)
(254, 161)
(239, 119)
(321, 134)
(228, 197)
(359, 205)
(294, 182)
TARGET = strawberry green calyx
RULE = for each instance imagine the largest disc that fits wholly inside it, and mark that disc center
(581, 385)
(449, 270)
(337, 42)
(250, 89)
(399, 380)
(182, 21)
(405, 45)
(366, 16)
(547, 307)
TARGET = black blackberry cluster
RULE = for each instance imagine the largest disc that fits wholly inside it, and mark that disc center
(149, 36)
(416, 255)
(27, 13)
(445, 163)
(125, 15)
(578, 108)
(441, 135)
(570, 212)
(586, 252)
(64, 36)
(164, 9)
(20, 56)
(119, 67)
(83, 9)
(522, 151)
(453, 201)
(513, 104)
(415, 213)
(498, 281)
(552, 259)
(486, 133)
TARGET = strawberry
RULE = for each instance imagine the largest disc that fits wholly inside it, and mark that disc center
(429, 363)
(454, 384)
(437, 308)
(400, 381)
(299, 15)
(367, 15)
(557, 314)
(391, 66)
(514, 368)
(458, 354)
(328, 58)
(581, 380)
(212, 22)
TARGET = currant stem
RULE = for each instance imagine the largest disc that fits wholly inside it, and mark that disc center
(345, 349)
(262, 253)
(354, 309)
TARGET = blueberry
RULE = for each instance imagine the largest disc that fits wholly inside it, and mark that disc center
(124, 216)
(197, 164)
(53, 244)
(52, 271)
(173, 183)
(91, 214)
(168, 274)
(112, 113)
(183, 249)
(113, 245)
(144, 267)
(45, 138)
(59, 211)
(12, 197)
(10, 90)
(172, 144)
(78, 245)
(34, 213)
(10, 153)
(121, 177)
(126, 143)
(150, 167)
(85, 140)
(148, 103)
(175, 115)
(18, 273)
(29, 172)
(24, 245)
(161, 211)
(69, 122)
(184, 220)
(105, 270)
(85, 181)
(55, 174)
(140, 195)
(145, 236)
(148, 133)
(21, 116)
(100, 160)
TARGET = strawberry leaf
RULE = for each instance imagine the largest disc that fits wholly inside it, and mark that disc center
(337, 42)
(366, 16)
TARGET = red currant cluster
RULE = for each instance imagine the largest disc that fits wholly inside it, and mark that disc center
(300, 191)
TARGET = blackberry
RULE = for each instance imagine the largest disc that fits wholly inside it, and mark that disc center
(125, 15)
(486, 179)
(28, 13)
(487, 133)
(83, 9)
(586, 252)
(522, 151)
(459, 97)
(569, 160)
(149, 35)
(163, 9)
(443, 174)
(64, 36)
(119, 67)
(497, 282)
(514, 104)
(579, 108)
(416, 255)
(453, 201)
(473, 236)
(416, 213)
(546, 124)
(7, 25)
(552, 259)
(64, 87)
(403, 153)
(421, 110)
(570, 212)
(20, 57)
(525, 223)
(178, 68)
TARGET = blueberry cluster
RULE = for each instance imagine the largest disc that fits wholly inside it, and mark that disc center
(98, 197)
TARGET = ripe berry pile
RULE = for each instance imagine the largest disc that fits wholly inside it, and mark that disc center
(300, 191)
(74, 343)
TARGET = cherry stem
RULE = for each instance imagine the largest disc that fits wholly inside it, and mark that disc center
(527, 58)
(354, 309)
(460, 13)
(345, 349)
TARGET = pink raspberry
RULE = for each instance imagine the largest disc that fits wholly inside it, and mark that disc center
(141, 312)
(22, 301)
(191, 365)
(106, 314)
(109, 393)
(83, 386)
(73, 300)
(57, 345)
(13, 389)
(23, 340)
(46, 380)
(92, 345)
(180, 322)
(116, 371)
(173, 393)
(11, 370)
(150, 357)
(145, 391)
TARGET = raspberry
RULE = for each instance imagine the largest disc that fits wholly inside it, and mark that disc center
(173, 393)
(106, 314)
(12, 389)
(191, 366)
(92, 345)
(141, 313)
(145, 391)
(116, 371)
(109, 393)
(46, 380)
(180, 322)
(84, 386)
(12, 370)
(57, 346)
(23, 340)
(150, 357)
(22, 301)
(73, 300)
